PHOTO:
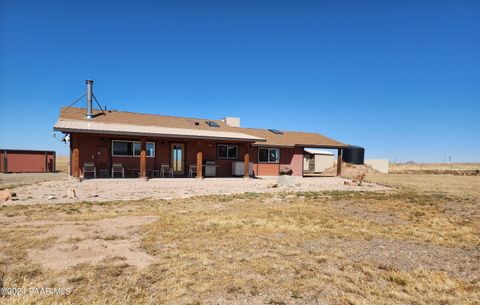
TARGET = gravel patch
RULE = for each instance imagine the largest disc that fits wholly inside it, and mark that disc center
(134, 189)
(90, 242)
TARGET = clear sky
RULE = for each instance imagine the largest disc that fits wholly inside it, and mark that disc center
(401, 78)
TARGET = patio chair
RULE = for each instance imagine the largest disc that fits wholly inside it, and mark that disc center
(165, 168)
(117, 168)
(192, 170)
(154, 173)
(89, 167)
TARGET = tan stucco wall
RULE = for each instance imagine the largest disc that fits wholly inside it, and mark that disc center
(322, 162)
(380, 165)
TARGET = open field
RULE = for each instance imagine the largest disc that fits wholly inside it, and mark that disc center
(62, 164)
(9, 181)
(419, 244)
(435, 168)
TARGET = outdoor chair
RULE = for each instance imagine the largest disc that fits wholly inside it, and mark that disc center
(192, 170)
(155, 172)
(165, 168)
(117, 168)
(89, 167)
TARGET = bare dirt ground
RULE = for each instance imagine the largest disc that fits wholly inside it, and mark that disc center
(418, 244)
(37, 191)
(15, 180)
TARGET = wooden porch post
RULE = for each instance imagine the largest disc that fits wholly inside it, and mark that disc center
(246, 161)
(199, 160)
(75, 158)
(339, 162)
(143, 159)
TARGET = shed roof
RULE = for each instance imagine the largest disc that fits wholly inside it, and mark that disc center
(120, 122)
(317, 151)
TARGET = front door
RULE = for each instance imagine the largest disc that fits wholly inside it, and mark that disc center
(102, 157)
(178, 158)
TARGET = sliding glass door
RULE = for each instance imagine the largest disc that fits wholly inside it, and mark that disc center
(178, 158)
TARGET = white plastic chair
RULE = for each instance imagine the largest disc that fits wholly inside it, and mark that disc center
(192, 170)
(165, 168)
(117, 168)
(89, 167)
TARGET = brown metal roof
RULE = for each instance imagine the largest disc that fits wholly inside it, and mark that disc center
(287, 139)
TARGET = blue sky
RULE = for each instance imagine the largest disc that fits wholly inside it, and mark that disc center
(401, 78)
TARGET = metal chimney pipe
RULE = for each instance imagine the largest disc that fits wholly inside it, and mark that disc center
(89, 114)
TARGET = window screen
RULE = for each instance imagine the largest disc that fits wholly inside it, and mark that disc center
(269, 155)
(132, 148)
(227, 151)
(122, 148)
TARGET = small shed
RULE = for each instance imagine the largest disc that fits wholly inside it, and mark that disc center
(317, 160)
(27, 161)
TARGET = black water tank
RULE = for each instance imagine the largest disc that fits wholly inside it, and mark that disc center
(353, 154)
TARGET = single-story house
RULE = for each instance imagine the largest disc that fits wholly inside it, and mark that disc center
(141, 143)
(113, 143)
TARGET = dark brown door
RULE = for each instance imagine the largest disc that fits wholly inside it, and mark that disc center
(102, 157)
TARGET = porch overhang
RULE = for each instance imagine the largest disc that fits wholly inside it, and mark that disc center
(311, 145)
(314, 145)
(72, 126)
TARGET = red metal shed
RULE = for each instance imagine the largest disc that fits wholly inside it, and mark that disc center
(27, 161)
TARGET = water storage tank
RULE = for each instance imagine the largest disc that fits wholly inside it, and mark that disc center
(353, 154)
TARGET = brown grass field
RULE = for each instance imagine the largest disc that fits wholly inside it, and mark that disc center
(62, 163)
(418, 244)
(435, 168)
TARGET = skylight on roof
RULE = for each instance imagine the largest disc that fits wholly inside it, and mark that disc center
(212, 124)
(275, 131)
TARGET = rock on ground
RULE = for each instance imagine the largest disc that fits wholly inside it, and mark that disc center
(5, 195)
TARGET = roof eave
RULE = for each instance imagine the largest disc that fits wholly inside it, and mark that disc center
(339, 145)
(140, 134)
(272, 145)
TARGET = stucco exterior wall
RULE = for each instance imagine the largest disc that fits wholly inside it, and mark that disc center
(380, 165)
(293, 159)
(322, 162)
(289, 157)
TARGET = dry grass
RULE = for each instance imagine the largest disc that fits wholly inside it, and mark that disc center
(417, 245)
(464, 186)
(434, 168)
(62, 164)
(8, 181)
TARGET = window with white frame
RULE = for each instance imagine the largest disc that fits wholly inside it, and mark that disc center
(131, 148)
(227, 151)
(268, 155)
